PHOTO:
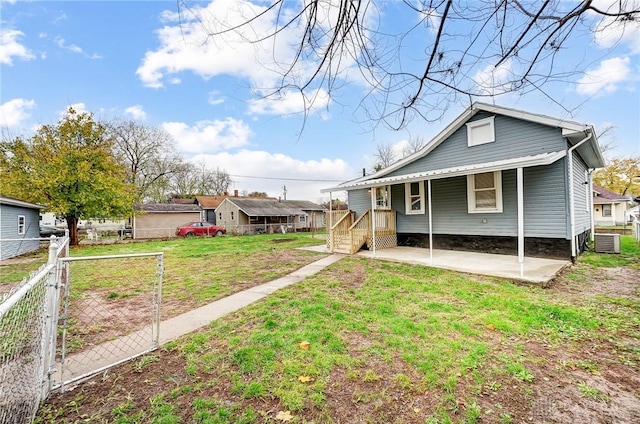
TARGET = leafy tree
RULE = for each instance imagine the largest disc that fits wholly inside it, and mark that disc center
(149, 156)
(446, 52)
(70, 168)
(621, 176)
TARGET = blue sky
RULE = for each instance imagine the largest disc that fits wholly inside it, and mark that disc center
(137, 60)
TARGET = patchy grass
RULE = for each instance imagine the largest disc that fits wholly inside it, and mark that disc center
(629, 255)
(372, 341)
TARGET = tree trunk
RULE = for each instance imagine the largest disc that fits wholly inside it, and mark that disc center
(72, 225)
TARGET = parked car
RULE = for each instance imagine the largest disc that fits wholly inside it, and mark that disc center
(47, 231)
(196, 228)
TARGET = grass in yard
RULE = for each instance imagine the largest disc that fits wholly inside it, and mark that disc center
(629, 255)
(367, 341)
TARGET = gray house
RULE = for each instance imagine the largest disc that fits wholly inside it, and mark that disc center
(243, 215)
(19, 227)
(495, 180)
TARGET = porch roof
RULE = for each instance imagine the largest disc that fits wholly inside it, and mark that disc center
(499, 165)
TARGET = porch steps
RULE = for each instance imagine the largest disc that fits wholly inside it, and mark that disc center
(342, 248)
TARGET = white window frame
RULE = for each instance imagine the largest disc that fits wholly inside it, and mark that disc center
(303, 218)
(471, 126)
(383, 205)
(471, 194)
(22, 225)
(610, 214)
(409, 198)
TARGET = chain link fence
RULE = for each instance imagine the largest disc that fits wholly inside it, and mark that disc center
(27, 338)
(111, 312)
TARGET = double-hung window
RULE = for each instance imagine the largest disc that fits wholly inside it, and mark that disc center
(22, 226)
(606, 210)
(414, 198)
(484, 192)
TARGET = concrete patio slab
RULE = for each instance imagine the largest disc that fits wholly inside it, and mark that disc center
(536, 270)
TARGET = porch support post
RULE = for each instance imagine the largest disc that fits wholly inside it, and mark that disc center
(430, 223)
(519, 178)
(590, 200)
(329, 232)
(373, 219)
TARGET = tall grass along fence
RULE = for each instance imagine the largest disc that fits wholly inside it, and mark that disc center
(72, 318)
(28, 329)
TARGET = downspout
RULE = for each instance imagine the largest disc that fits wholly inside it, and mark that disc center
(572, 212)
(430, 224)
(590, 199)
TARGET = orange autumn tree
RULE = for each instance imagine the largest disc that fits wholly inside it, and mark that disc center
(621, 175)
(70, 168)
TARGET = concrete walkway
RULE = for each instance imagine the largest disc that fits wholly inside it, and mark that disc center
(105, 355)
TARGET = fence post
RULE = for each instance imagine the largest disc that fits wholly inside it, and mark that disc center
(49, 329)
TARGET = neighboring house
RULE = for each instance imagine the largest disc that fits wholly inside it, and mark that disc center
(495, 180)
(160, 220)
(243, 215)
(608, 207)
(18, 220)
(209, 204)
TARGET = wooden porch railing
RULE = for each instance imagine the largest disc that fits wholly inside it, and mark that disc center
(339, 233)
(347, 236)
(359, 232)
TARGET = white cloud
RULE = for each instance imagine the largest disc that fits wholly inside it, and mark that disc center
(14, 112)
(72, 47)
(606, 77)
(611, 31)
(185, 44)
(290, 102)
(209, 136)
(494, 81)
(216, 98)
(10, 47)
(275, 170)
(77, 107)
(136, 112)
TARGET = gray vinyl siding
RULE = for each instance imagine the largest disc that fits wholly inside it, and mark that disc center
(545, 211)
(9, 230)
(545, 201)
(581, 212)
(514, 138)
(360, 200)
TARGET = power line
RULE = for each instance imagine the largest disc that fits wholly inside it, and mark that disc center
(286, 179)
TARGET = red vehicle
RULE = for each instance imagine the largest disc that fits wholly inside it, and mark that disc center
(197, 228)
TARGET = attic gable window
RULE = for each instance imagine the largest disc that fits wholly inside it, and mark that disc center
(481, 131)
(484, 192)
(414, 198)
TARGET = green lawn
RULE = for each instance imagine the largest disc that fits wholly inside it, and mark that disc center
(379, 342)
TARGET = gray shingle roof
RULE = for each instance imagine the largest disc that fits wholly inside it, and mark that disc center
(268, 207)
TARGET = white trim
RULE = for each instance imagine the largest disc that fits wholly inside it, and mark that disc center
(22, 227)
(499, 165)
(408, 196)
(471, 193)
(472, 134)
(520, 190)
(430, 224)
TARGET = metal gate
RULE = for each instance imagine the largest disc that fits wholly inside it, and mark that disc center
(109, 313)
